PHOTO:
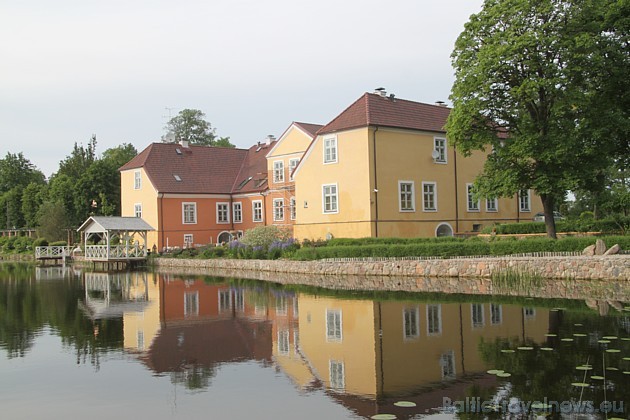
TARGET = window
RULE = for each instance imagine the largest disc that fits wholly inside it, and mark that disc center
(329, 193)
(330, 150)
(476, 313)
(429, 196)
(257, 211)
(434, 319)
(189, 213)
(223, 213)
(137, 180)
(191, 303)
(439, 145)
(473, 205)
(278, 171)
(140, 338)
(524, 201)
(411, 323)
(292, 208)
(337, 376)
(281, 305)
(292, 165)
(444, 229)
(137, 210)
(239, 300)
(492, 204)
(333, 325)
(237, 212)
(447, 363)
(496, 314)
(283, 342)
(406, 195)
(529, 313)
(225, 300)
(278, 209)
(188, 240)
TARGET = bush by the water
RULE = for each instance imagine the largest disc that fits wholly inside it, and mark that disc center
(611, 225)
(15, 244)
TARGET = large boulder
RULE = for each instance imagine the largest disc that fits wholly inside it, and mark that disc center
(589, 251)
(600, 247)
(613, 250)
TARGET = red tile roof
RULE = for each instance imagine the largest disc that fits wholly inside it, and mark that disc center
(375, 110)
(309, 128)
(254, 166)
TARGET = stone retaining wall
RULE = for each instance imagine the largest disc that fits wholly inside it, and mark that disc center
(613, 267)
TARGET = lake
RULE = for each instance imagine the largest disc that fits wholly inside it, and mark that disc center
(163, 346)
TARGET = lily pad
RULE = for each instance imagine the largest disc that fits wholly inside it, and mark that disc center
(603, 341)
(626, 373)
(597, 378)
(540, 406)
(525, 348)
(551, 335)
(580, 384)
(405, 404)
(568, 340)
(494, 371)
(504, 375)
(578, 325)
(610, 337)
(584, 368)
(626, 359)
(507, 351)
(579, 335)
(612, 369)
(384, 417)
(546, 348)
(625, 338)
(613, 351)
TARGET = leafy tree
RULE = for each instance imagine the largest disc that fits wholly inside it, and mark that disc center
(32, 198)
(545, 84)
(62, 190)
(118, 156)
(190, 125)
(53, 221)
(79, 160)
(11, 208)
(17, 171)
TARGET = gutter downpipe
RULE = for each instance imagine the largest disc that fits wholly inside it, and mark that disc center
(375, 188)
(456, 192)
(161, 220)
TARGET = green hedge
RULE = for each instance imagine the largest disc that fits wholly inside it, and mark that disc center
(15, 244)
(457, 248)
(388, 241)
(610, 225)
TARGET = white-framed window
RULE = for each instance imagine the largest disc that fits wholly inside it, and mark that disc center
(492, 204)
(282, 307)
(292, 208)
(188, 240)
(140, 339)
(447, 365)
(529, 313)
(496, 314)
(334, 325)
(257, 212)
(329, 198)
(293, 163)
(337, 375)
(439, 145)
(429, 196)
(191, 303)
(237, 212)
(278, 171)
(524, 201)
(434, 319)
(278, 209)
(406, 196)
(476, 315)
(137, 210)
(411, 323)
(239, 300)
(137, 180)
(189, 213)
(472, 204)
(330, 150)
(225, 300)
(283, 342)
(223, 213)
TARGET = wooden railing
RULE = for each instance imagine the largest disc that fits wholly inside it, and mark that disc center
(100, 252)
(52, 252)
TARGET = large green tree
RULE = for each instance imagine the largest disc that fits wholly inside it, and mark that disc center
(16, 173)
(190, 125)
(544, 83)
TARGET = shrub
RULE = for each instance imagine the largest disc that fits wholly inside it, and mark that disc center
(40, 242)
(58, 243)
(264, 236)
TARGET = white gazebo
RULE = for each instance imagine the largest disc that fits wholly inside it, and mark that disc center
(115, 239)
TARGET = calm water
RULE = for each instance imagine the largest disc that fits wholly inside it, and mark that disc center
(147, 345)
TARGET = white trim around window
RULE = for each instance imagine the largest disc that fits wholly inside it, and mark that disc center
(278, 209)
(330, 198)
(237, 212)
(137, 210)
(406, 197)
(223, 213)
(278, 171)
(292, 210)
(429, 196)
(137, 180)
(330, 150)
(524, 201)
(189, 213)
(293, 163)
(471, 204)
(257, 211)
(440, 145)
(492, 205)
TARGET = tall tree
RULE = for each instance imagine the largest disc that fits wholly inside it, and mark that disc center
(119, 155)
(79, 160)
(32, 198)
(17, 171)
(190, 125)
(540, 81)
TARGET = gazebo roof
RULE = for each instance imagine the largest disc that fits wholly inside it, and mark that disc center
(111, 223)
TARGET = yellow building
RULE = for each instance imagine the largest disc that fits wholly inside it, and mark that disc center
(384, 167)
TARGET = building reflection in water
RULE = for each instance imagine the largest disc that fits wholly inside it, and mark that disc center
(365, 354)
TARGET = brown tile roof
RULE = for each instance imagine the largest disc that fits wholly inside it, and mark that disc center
(200, 169)
(254, 168)
(375, 110)
(309, 128)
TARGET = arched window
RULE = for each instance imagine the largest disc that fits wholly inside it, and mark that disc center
(444, 229)
(224, 237)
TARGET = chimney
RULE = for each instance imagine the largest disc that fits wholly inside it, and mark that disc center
(380, 91)
(184, 143)
(440, 103)
(269, 139)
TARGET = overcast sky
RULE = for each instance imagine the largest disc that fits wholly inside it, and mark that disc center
(118, 68)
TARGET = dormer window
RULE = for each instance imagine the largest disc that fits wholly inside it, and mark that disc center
(177, 178)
